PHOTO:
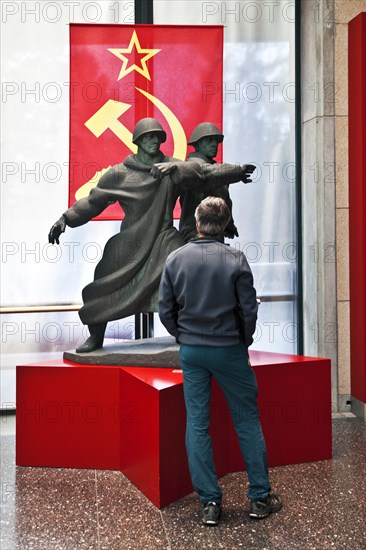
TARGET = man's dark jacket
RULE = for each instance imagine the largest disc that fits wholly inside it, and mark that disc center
(207, 296)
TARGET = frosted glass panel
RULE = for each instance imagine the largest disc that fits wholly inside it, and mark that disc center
(35, 154)
(259, 126)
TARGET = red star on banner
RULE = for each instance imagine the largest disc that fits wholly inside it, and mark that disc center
(128, 55)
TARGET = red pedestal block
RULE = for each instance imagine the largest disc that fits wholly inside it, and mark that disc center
(67, 416)
(153, 453)
(132, 419)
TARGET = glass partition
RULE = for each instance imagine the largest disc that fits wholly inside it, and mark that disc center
(259, 127)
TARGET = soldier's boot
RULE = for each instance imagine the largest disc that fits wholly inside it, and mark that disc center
(95, 340)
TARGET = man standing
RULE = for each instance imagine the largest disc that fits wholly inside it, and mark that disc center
(146, 185)
(207, 301)
(205, 139)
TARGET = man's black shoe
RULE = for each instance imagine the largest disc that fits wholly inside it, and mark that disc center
(211, 513)
(260, 509)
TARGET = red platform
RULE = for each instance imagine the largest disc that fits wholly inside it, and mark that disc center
(132, 419)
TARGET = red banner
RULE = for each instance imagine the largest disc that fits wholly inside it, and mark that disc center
(122, 73)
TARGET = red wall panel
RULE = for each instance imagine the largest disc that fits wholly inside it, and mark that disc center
(357, 201)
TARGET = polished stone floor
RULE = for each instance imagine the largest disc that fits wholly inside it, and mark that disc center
(64, 509)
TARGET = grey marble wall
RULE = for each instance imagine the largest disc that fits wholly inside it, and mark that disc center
(318, 187)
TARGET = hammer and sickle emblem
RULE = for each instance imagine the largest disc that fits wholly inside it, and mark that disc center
(107, 118)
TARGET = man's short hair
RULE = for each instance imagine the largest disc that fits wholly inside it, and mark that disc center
(212, 216)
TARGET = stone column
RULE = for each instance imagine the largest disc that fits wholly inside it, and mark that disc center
(318, 185)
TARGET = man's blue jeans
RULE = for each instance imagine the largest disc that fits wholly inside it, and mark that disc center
(231, 368)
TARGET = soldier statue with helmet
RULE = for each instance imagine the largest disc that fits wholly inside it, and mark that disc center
(205, 139)
(146, 185)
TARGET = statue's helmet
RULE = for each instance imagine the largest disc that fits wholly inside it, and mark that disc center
(146, 125)
(205, 129)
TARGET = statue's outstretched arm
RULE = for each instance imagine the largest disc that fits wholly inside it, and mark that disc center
(193, 174)
(85, 209)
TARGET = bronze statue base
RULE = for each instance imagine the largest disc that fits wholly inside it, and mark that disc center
(150, 352)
